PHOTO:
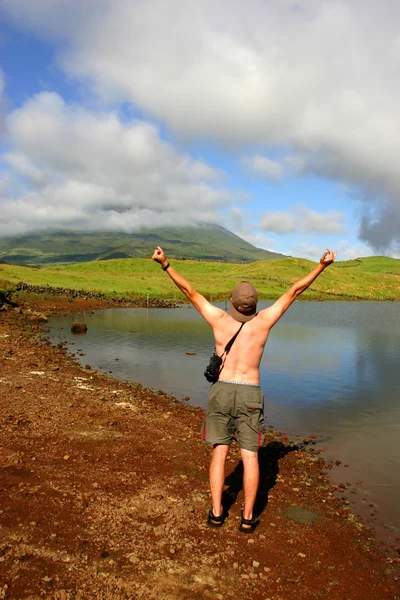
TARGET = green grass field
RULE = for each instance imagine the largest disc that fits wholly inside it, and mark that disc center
(374, 278)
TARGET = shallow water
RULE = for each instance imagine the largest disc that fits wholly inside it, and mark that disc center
(329, 368)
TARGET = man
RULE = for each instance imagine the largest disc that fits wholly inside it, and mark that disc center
(235, 402)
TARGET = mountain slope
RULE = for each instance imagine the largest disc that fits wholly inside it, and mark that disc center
(203, 243)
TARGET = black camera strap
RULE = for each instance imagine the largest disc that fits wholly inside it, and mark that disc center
(230, 343)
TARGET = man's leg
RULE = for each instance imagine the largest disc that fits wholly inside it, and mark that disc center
(217, 476)
(251, 477)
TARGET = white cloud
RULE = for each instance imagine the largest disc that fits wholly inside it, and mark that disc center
(2, 102)
(348, 251)
(263, 167)
(302, 219)
(307, 250)
(279, 222)
(72, 169)
(236, 216)
(259, 240)
(320, 77)
(345, 250)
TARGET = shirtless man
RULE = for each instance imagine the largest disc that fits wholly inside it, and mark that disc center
(235, 402)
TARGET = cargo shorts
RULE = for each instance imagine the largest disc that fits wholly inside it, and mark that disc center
(234, 410)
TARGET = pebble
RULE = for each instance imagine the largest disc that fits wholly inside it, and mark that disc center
(244, 576)
(47, 579)
(256, 563)
(235, 565)
(133, 559)
(301, 555)
(250, 541)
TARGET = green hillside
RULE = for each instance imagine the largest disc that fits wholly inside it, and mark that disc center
(201, 243)
(375, 278)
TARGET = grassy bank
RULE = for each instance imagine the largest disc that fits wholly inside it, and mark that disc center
(374, 278)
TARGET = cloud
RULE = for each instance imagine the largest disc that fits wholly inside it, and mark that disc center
(318, 77)
(259, 240)
(302, 220)
(2, 103)
(345, 250)
(236, 216)
(69, 168)
(307, 250)
(263, 167)
(279, 222)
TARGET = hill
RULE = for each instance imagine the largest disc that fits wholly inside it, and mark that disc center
(202, 243)
(374, 278)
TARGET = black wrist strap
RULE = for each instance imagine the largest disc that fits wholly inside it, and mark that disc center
(166, 267)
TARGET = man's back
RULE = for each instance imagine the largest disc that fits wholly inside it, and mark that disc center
(243, 360)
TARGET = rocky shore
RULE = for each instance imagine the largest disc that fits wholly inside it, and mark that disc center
(104, 495)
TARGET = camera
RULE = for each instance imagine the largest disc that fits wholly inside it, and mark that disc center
(212, 371)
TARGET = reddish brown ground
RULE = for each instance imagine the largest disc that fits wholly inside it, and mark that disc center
(104, 495)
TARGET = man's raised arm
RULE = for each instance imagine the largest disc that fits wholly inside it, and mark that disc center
(206, 309)
(274, 312)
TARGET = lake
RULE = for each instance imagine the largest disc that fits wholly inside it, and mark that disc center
(329, 368)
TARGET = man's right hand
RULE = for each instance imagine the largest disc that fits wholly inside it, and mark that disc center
(159, 256)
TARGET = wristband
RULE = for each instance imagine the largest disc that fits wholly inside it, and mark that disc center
(166, 266)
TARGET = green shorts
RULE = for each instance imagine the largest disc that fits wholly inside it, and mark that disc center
(234, 409)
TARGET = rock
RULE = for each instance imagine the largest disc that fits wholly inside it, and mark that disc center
(38, 318)
(133, 559)
(256, 563)
(301, 515)
(78, 327)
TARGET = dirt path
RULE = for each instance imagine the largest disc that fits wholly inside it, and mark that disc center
(104, 495)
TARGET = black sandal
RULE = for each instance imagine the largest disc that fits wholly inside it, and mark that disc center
(251, 524)
(214, 521)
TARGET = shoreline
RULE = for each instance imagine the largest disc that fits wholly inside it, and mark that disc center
(106, 495)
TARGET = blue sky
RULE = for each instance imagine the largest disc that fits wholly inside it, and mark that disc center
(276, 120)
